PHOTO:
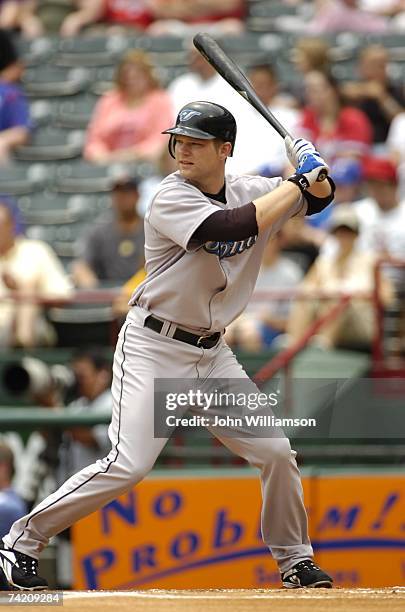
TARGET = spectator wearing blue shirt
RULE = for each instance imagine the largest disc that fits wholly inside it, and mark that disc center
(347, 175)
(15, 121)
(12, 507)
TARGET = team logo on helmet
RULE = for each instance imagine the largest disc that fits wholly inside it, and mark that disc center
(187, 113)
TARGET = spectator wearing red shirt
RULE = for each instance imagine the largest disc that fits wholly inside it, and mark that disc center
(182, 16)
(336, 128)
(132, 13)
(128, 121)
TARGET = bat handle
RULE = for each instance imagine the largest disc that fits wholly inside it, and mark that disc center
(322, 176)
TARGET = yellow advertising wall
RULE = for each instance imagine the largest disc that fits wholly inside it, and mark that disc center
(203, 531)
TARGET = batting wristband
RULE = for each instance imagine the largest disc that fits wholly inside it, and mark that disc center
(300, 180)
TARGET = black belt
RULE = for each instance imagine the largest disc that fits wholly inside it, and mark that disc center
(206, 342)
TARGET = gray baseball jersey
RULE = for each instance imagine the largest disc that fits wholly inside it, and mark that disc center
(201, 286)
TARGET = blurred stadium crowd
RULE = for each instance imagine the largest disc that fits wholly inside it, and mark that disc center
(86, 88)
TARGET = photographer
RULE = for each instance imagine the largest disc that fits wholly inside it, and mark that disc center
(80, 445)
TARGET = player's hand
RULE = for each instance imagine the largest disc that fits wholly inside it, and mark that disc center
(309, 170)
(312, 165)
(297, 148)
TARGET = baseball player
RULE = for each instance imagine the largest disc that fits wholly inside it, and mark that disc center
(205, 233)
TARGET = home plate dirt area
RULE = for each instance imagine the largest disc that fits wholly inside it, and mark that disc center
(303, 600)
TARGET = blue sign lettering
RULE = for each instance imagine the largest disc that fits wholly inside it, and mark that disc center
(226, 532)
(185, 544)
(95, 564)
(336, 517)
(387, 505)
(144, 556)
(125, 511)
(167, 504)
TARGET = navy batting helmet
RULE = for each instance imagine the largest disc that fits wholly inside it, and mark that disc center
(204, 120)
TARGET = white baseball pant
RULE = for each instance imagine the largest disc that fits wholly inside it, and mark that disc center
(141, 356)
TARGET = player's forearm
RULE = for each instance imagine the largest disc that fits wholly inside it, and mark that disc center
(273, 206)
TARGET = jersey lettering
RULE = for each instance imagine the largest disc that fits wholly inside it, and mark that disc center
(229, 248)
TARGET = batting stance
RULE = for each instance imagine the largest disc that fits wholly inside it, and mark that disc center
(204, 237)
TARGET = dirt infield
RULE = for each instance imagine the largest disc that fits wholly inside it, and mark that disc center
(305, 600)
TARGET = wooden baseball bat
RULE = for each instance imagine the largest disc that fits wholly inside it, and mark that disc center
(233, 75)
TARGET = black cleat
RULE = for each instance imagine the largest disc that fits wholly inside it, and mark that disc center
(4, 586)
(306, 575)
(20, 571)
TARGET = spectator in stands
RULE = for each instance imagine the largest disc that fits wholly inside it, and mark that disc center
(28, 268)
(15, 122)
(347, 270)
(396, 149)
(382, 214)
(200, 82)
(181, 18)
(311, 53)
(343, 16)
(266, 319)
(35, 453)
(12, 507)
(82, 446)
(336, 128)
(379, 98)
(260, 149)
(132, 14)
(113, 250)
(348, 177)
(393, 9)
(382, 217)
(20, 15)
(127, 122)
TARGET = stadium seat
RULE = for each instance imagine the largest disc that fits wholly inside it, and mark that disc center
(50, 208)
(246, 49)
(43, 112)
(18, 179)
(90, 51)
(83, 177)
(55, 81)
(75, 112)
(345, 71)
(158, 44)
(103, 80)
(51, 143)
(36, 51)
(62, 237)
(264, 16)
(164, 50)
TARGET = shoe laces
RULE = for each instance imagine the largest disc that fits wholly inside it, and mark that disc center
(307, 564)
(27, 564)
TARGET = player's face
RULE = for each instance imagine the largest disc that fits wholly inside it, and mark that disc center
(200, 160)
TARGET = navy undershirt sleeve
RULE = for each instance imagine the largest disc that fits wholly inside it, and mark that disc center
(233, 224)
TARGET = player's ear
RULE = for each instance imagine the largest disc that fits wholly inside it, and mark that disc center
(225, 149)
